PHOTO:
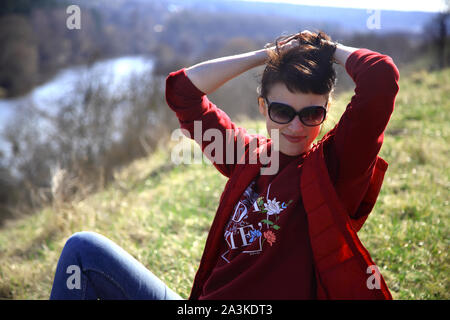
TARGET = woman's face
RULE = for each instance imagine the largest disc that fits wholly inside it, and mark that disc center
(304, 135)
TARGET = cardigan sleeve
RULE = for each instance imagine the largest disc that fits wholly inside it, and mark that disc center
(219, 138)
(360, 130)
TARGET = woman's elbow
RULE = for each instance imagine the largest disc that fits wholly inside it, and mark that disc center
(391, 75)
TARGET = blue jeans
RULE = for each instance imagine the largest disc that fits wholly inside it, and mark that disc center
(93, 267)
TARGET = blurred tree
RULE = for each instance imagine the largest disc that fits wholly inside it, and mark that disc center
(25, 7)
(443, 21)
(18, 55)
(437, 32)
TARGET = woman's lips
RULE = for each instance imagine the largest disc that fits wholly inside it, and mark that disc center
(293, 139)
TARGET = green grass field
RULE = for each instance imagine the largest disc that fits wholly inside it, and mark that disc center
(161, 213)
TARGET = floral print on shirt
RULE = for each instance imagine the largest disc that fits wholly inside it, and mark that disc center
(241, 233)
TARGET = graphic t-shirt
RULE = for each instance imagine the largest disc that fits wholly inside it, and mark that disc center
(267, 214)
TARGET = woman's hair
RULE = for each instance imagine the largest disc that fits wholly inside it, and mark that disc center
(306, 68)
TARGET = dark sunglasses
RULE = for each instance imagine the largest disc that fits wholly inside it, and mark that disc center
(283, 113)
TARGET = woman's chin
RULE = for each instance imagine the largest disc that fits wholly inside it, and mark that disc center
(291, 149)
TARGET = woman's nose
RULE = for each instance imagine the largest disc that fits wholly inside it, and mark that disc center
(296, 125)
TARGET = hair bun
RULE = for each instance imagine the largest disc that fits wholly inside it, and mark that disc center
(305, 68)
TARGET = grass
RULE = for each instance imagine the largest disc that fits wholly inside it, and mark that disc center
(161, 213)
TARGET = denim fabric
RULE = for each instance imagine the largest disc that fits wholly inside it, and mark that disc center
(93, 267)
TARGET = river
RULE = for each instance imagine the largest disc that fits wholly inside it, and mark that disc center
(116, 73)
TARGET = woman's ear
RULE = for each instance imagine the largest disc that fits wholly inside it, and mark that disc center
(330, 99)
(262, 106)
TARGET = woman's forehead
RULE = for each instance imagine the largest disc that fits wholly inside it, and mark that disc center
(280, 93)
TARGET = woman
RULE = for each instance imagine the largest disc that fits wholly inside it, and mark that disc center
(285, 235)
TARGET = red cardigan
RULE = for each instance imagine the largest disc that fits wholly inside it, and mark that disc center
(341, 261)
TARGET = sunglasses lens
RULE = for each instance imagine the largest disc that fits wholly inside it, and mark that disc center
(281, 113)
(313, 116)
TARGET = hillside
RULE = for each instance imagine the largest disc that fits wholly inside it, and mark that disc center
(161, 213)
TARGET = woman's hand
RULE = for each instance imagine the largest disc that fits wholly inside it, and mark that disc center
(296, 40)
(288, 43)
(340, 56)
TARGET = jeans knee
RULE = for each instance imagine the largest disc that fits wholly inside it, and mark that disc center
(81, 239)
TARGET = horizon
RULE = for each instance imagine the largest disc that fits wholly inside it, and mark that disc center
(413, 6)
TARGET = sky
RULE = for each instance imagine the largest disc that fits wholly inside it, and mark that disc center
(402, 5)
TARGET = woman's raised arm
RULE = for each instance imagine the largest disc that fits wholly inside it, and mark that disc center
(210, 75)
(342, 53)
